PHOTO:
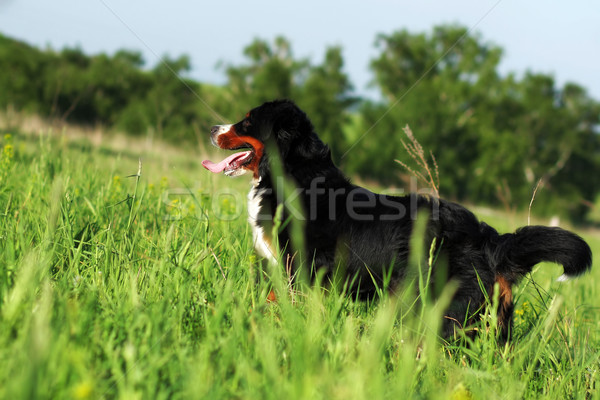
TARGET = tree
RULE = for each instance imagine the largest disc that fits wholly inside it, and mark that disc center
(21, 67)
(271, 72)
(491, 135)
(437, 84)
(326, 97)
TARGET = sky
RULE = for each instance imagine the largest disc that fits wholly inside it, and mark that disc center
(546, 36)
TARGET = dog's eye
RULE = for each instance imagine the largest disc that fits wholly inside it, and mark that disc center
(246, 123)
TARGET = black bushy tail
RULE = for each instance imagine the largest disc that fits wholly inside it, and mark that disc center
(517, 253)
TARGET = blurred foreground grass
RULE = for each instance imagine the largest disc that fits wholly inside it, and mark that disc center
(120, 286)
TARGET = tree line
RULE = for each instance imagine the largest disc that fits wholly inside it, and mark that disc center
(493, 136)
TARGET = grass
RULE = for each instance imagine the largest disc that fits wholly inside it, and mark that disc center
(119, 286)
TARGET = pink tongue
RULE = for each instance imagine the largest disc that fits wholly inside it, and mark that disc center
(216, 168)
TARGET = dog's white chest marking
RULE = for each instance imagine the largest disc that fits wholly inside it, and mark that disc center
(261, 244)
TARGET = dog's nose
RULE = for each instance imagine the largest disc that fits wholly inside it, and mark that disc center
(214, 129)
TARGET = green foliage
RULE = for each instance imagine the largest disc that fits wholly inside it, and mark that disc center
(113, 91)
(22, 67)
(269, 74)
(322, 91)
(493, 137)
(119, 286)
(326, 97)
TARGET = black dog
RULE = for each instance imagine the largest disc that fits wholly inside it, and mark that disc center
(364, 237)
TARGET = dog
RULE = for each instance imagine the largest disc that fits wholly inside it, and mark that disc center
(364, 238)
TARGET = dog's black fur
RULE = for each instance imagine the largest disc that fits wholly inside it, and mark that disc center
(351, 231)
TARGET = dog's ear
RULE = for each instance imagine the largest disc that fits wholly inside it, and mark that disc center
(290, 126)
(310, 147)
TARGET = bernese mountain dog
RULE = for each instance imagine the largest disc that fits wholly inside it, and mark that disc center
(363, 237)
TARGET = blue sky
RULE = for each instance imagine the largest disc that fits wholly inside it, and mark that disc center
(555, 37)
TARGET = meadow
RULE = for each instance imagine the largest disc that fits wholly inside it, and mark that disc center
(121, 279)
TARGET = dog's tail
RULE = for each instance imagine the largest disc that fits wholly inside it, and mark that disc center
(517, 253)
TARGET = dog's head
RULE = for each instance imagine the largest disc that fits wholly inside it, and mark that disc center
(280, 123)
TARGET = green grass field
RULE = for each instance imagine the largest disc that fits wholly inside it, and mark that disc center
(118, 286)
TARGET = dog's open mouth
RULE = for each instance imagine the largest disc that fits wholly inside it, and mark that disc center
(231, 164)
